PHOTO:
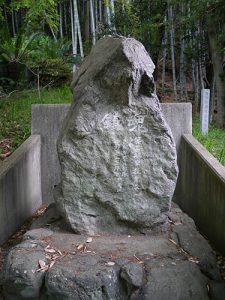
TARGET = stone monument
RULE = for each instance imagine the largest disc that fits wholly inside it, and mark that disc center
(119, 172)
(117, 154)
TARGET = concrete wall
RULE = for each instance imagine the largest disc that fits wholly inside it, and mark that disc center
(179, 118)
(202, 190)
(20, 187)
(47, 121)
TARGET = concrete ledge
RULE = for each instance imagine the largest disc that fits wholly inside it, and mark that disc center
(201, 190)
(47, 121)
(20, 187)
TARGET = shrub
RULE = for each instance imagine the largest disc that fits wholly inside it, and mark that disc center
(51, 71)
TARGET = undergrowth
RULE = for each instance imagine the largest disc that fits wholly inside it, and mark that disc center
(15, 120)
(15, 114)
(214, 141)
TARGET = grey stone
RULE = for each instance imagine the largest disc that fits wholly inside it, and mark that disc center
(20, 278)
(117, 154)
(144, 267)
(47, 121)
(133, 274)
(83, 278)
(50, 216)
(37, 234)
(181, 281)
(195, 245)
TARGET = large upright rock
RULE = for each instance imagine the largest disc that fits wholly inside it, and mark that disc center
(117, 154)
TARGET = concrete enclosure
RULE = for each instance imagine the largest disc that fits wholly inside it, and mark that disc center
(29, 175)
(201, 190)
(47, 121)
(20, 186)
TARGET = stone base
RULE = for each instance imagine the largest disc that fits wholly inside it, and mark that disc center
(51, 264)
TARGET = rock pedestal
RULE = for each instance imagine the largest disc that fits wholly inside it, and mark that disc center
(117, 154)
(53, 265)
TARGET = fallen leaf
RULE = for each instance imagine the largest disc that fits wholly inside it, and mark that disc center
(80, 247)
(51, 264)
(138, 259)
(41, 263)
(194, 260)
(50, 250)
(54, 257)
(110, 263)
(172, 241)
(44, 269)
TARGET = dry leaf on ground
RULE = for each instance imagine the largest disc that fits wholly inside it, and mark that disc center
(110, 263)
(89, 240)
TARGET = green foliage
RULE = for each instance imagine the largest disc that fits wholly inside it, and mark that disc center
(214, 141)
(44, 47)
(15, 49)
(54, 71)
(39, 13)
(40, 54)
(144, 20)
(15, 112)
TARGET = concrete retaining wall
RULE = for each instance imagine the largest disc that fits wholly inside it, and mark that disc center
(179, 118)
(20, 187)
(47, 121)
(201, 190)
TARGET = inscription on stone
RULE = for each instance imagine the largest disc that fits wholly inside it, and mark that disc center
(117, 154)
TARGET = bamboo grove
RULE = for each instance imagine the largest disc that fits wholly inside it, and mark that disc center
(186, 39)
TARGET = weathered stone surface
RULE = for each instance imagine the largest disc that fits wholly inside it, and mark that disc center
(174, 280)
(21, 281)
(117, 155)
(189, 239)
(113, 267)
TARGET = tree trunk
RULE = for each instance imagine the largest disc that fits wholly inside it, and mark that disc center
(172, 36)
(183, 82)
(93, 33)
(197, 88)
(164, 53)
(96, 13)
(87, 22)
(100, 10)
(73, 33)
(65, 17)
(77, 21)
(107, 14)
(112, 7)
(13, 23)
(219, 74)
(60, 20)
(212, 101)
